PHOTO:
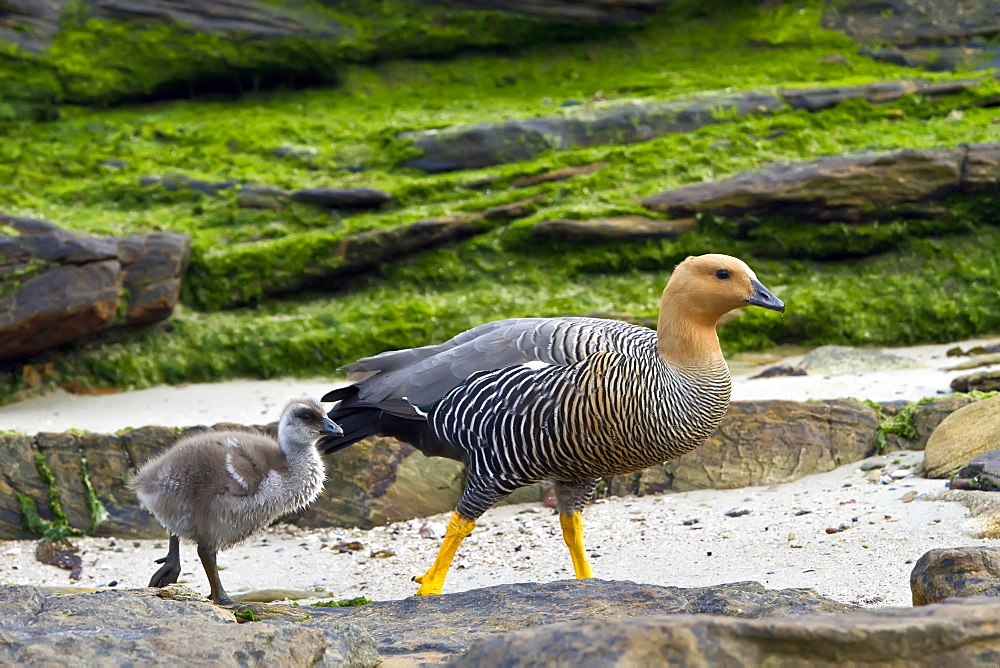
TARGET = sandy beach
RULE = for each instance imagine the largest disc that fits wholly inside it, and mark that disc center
(838, 533)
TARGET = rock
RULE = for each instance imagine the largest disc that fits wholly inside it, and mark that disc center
(446, 625)
(383, 480)
(374, 247)
(937, 58)
(575, 11)
(982, 473)
(963, 633)
(780, 370)
(982, 168)
(30, 24)
(880, 92)
(913, 21)
(983, 381)
(965, 434)
(837, 360)
(138, 628)
(557, 175)
(484, 144)
(617, 228)
(959, 571)
(830, 188)
(253, 201)
(988, 359)
(926, 417)
(174, 182)
(343, 198)
(57, 286)
(765, 443)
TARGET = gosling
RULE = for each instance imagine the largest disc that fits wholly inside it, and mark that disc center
(220, 487)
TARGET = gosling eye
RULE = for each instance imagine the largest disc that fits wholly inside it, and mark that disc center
(722, 274)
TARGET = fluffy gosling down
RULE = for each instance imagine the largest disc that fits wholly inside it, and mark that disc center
(565, 399)
(219, 488)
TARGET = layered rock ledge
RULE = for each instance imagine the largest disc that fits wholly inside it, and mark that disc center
(58, 286)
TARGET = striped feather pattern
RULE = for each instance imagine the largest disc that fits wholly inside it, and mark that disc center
(616, 410)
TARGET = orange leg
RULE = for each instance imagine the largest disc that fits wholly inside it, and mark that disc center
(432, 582)
(572, 528)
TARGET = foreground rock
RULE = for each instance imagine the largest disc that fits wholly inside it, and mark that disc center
(965, 434)
(382, 480)
(956, 572)
(58, 286)
(960, 633)
(138, 628)
(982, 473)
(446, 625)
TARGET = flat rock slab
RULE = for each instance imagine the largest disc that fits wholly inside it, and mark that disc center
(913, 21)
(615, 228)
(837, 360)
(343, 198)
(137, 628)
(831, 187)
(962, 633)
(448, 624)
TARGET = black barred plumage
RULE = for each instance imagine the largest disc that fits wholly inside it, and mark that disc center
(567, 399)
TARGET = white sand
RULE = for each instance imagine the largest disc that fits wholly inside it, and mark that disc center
(639, 539)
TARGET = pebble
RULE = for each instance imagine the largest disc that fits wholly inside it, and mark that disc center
(872, 465)
(737, 512)
(802, 512)
(693, 520)
(899, 474)
(909, 496)
(432, 530)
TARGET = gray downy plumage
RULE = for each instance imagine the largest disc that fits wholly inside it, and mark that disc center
(218, 488)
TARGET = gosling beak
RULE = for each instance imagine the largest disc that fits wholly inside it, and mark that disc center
(330, 429)
(762, 297)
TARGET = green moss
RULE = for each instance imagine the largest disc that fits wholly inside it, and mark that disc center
(56, 529)
(304, 312)
(246, 615)
(98, 513)
(344, 603)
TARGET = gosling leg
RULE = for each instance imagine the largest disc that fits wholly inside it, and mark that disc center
(171, 567)
(432, 582)
(572, 530)
(218, 595)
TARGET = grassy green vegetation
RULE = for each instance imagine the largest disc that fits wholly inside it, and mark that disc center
(900, 280)
(344, 603)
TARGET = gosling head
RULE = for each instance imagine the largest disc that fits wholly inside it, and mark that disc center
(710, 286)
(304, 423)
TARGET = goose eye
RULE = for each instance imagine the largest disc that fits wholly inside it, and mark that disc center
(722, 274)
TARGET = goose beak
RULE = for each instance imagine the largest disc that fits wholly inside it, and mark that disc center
(762, 297)
(330, 429)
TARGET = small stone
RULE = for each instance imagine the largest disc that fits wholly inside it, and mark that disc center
(871, 465)
(909, 496)
(791, 536)
(832, 530)
(693, 520)
(802, 512)
(432, 530)
(737, 512)
(899, 474)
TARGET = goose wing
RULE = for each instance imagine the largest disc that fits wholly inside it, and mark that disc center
(398, 380)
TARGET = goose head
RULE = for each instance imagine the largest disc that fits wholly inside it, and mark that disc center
(303, 423)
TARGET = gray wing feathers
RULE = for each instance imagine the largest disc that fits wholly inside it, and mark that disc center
(424, 375)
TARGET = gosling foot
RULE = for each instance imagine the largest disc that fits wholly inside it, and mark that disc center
(171, 568)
